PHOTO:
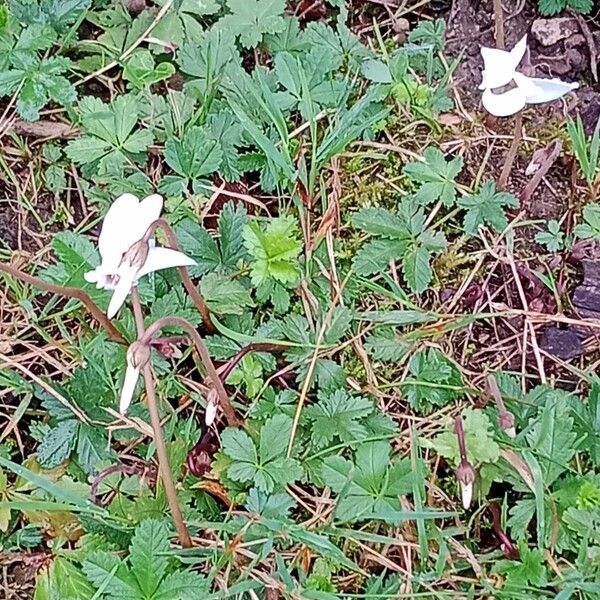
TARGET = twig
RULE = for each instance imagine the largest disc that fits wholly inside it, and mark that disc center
(550, 154)
(159, 441)
(499, 24)
(226, 369)
(228, 410)
(68, 292)
(512, 152)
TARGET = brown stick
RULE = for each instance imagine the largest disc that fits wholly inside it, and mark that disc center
(228, 410)
(161, 450)
(512, 152)
(499, 24)
(551, 153)
(68, 292)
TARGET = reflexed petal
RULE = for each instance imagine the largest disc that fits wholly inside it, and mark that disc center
(499, 65)
(131, 376)
(466, 490)
(503, 105)
(127, 275)
(164, 258)
(114, 239)
(547, 90)
(148, 211)
(526, 84)
(210, 413)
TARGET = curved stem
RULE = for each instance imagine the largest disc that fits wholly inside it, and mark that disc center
(195, 295)
(228, 410)
(233, 362)
(159, 441)
(68, 292)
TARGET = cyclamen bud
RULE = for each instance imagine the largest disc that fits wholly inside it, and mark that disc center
(137, 255)
(465, 473)
(211, 408)
(506, 422)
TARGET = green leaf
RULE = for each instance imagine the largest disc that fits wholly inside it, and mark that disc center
(274, 437)
(182, 585)
(67, 581)
(369, 484)
(486, 207)
(224, 295)
(436, 176)
(196, 155)
(59, 14)
(275, 249)
(108, 572)
(375, 255)
(381, 222)
(338, 415)
(57, 445)
(590, 228)
(251, 19)
(553, 239)
(238, 445)
(148, 555)
(552, 439)
(417, 269)
(479, 439)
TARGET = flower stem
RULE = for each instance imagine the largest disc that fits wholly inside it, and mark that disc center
(68, 292)
(228, 410)
(195, 295)
(159, 441)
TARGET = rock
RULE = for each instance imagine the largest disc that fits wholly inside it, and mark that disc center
(562, 343)
(550, 31)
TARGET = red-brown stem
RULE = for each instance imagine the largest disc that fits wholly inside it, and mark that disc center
(233, 362)
(499, 24)
(68, 292)
(161, 450)
(460, 436)
(512, 152)
(228, 410)
(195, 295)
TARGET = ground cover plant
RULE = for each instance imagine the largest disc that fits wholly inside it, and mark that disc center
(291, 308)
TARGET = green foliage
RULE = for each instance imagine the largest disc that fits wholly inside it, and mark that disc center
(435, 381)
(553, 239)
(398, 235)
(479, 439)
(590, 228)
(436, 176)
(553, 7)
(264, 463)
(586, 151)
(148, 572)
(274, 249)
(369, 483)
(486, 207)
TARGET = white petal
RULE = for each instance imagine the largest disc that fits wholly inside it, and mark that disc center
(93, 276)
(131, 376)
(148, 211)
(210, 413)
(499, 65)
(503, 105)
(526, 84)
(511, 432)
(547, 90)
(466, 490)
(164, 258)
(127, 275)
(114, 239)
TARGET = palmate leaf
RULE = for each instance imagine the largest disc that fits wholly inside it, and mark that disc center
(369, 484)
(338, 415)
(148, 555)
(224, 295)
(265, 466)
(59, 14)
(182, 585)
(486, 207)
(436, 176)
(251, 19)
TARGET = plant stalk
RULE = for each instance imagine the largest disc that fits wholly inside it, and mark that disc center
(68, 292)
(228, 410)
(161, 450)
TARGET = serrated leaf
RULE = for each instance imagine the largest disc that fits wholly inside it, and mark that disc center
(486, 207)
(108, 572)
(182, 585)
(417, 269)
(195, 155)
(57, 444)
(251, 19)
(224, 295)
(148, 555)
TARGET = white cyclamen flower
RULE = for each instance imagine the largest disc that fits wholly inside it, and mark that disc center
(123, 261)
(500, 69)
(138, 355)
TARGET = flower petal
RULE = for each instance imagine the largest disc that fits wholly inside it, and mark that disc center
(503, 105)
(210, 413)
(547, 90)
(466, 491)
(499, 65)
(164, 258)
(127, 276)
(114, 239)
(131, 376)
